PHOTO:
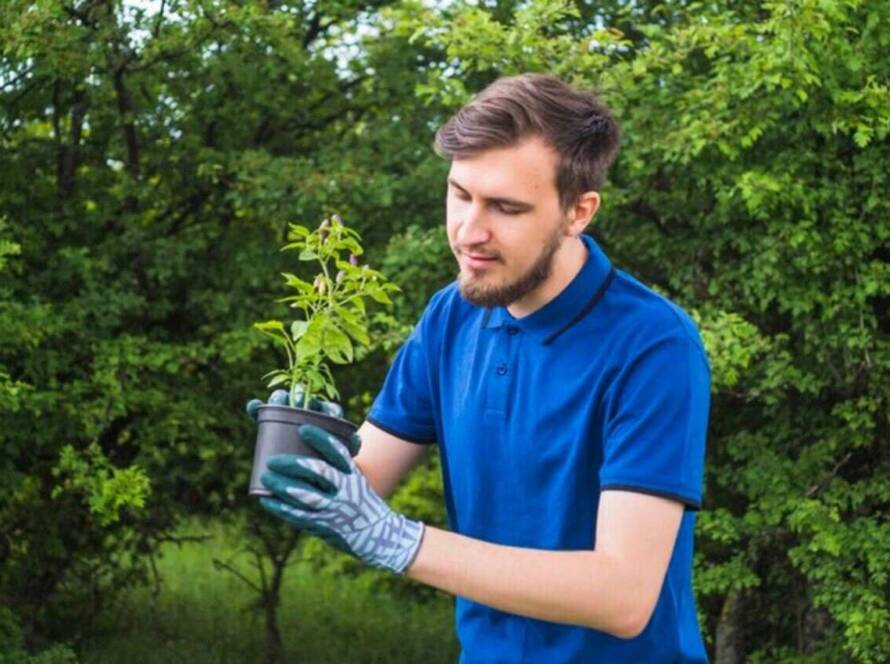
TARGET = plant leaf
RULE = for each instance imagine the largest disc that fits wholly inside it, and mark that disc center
(336, 343)
(311, 342)
(270, 326)
(377, 293)
(298, 329)
(278, 380)
(295, 231)
(352, 323)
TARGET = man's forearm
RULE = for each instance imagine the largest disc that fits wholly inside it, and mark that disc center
(588, 588)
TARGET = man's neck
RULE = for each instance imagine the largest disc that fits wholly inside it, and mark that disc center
(567, 263)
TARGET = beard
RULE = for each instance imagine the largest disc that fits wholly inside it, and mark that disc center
(478, 293)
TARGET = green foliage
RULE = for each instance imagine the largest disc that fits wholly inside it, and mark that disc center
(732, 344)
(420, 262)
(154, 154)
(10, 390)
(105, 490)
(7, 248)
(333, 307)
(12, 645)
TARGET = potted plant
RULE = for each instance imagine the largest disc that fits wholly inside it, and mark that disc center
(332, 326)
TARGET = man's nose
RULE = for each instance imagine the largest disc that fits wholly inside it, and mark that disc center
(473, 227)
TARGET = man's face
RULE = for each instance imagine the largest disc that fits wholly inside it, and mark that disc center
(505, 224)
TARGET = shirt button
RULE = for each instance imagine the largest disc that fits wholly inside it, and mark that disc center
(502, 370)
(512, 330)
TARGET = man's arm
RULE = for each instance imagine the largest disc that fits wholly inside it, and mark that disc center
(385, 459)
(613, 588)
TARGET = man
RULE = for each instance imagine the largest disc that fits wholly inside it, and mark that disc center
(569, 403)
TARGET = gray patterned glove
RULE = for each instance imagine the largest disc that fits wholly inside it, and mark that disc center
(332, 499)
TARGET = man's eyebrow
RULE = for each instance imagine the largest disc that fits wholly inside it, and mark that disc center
(513, 202)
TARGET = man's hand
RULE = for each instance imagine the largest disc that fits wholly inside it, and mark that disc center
(332, 499)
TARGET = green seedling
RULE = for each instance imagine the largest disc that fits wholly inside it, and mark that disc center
(333, 321)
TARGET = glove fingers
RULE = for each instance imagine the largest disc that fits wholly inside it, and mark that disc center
(282, 398)
(331, 448)
(252, 407)
(319, 405)
(295, 492)
(293, 466)
(302, 521)
(328, 408)
(279, 398)
(320, 470)
(354, 444)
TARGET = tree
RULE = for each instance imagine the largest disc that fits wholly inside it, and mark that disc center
(153, 156)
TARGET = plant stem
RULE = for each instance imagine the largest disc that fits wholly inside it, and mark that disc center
(307, 390)
(330, 282)
(293, 387)
(291, 356)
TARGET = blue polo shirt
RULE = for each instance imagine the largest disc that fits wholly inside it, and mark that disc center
(604, 387)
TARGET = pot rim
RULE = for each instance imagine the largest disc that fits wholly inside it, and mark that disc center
(272, 406)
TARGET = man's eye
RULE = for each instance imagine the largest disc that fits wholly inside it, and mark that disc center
(509, 210)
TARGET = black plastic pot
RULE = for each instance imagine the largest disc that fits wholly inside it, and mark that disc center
(278, 433)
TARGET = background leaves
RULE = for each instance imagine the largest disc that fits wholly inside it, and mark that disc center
(150, 165)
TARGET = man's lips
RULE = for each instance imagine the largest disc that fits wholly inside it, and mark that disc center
(477, 261)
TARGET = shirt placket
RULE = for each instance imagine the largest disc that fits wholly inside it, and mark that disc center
(503, 369)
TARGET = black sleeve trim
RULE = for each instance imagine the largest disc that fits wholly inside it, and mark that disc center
(399, 434)
(693, 505)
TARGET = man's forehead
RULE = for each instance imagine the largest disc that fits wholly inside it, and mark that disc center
(528, 167)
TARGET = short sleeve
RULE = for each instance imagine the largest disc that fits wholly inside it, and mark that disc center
(404, 406)
(656, 421)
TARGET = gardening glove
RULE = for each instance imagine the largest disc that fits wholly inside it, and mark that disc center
(282, 398)
(331, 498)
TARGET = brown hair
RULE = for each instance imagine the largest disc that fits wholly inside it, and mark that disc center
(575, 123)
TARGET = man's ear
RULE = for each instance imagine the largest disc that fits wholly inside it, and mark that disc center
(582, 212)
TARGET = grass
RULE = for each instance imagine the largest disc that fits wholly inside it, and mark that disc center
(201, 617)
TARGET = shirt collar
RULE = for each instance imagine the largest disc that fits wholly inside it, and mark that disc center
(574, 302)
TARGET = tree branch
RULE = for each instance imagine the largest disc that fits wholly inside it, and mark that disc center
(156, 578)
(313, 30)
(71, 151)
(156, 30)
(224, 566)
(179, 540)
(825, 481)
(11, 84)
(128, 127)
(258, 563)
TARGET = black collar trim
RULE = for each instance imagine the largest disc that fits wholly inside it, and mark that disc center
(587, 308)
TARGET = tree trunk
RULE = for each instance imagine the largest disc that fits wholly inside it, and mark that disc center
(272, 650)
(125, 110)
(68, 152)
(728, 643)
(816, 625)
(278, 551)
